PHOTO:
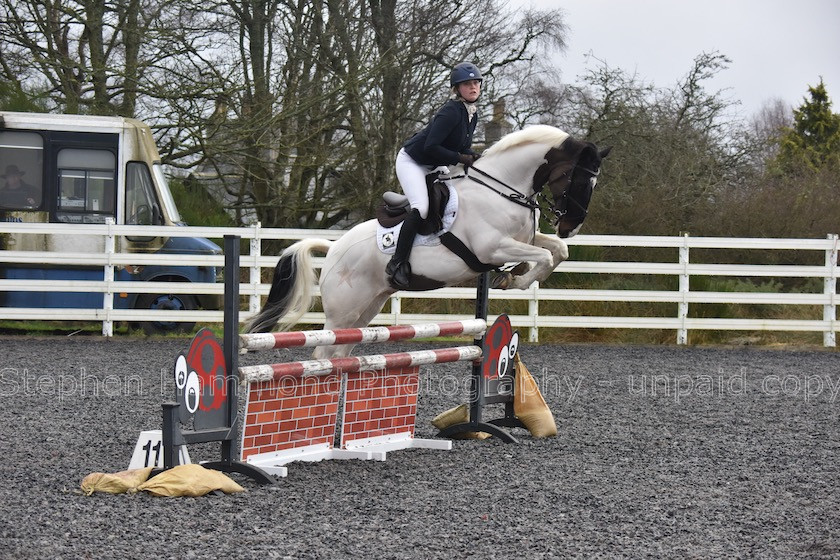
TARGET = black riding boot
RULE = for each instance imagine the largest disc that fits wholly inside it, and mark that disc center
(398, 269)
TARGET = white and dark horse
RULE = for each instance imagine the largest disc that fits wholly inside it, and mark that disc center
(496, 220)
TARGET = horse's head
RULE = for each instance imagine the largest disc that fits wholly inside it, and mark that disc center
(571, 171)
(569, 167)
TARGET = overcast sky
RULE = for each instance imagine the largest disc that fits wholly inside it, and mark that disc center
(777, 47)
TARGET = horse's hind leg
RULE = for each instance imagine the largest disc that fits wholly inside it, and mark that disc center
(353, 284)
(503, 280)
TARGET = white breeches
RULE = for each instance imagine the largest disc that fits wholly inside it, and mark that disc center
(412, 178)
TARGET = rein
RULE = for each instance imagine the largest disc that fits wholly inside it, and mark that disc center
(530, 202)
(516, 197)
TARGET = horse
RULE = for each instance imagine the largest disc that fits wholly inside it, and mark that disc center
(496, 220)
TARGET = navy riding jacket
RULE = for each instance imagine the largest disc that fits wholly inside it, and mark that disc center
(449, 133)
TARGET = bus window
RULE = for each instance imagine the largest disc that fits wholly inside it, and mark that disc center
(21, 165)
(141, 205)
(86, 187)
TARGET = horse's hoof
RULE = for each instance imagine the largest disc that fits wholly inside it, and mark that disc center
(502, 281)
(520, 269)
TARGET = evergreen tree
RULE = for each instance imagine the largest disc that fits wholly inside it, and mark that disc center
(813, 142)
(15, 98)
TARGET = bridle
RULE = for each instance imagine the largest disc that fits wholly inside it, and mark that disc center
(558, 206)
(561, 209)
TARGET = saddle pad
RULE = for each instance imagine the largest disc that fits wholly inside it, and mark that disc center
(386, 238)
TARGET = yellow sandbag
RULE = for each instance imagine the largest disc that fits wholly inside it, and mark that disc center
(189, 480)
(457, 415)
(115, 483)
(529, 405)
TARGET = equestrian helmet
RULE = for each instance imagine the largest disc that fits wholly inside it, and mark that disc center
(464, 71)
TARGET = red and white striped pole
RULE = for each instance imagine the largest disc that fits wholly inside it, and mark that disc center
(268, 341)
(353, 364)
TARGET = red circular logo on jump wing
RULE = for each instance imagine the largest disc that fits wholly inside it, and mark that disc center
(207, 359)
(500, 344)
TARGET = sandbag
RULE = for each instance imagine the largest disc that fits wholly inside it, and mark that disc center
(457, 415)
(189, 480)
(529, 405)
(115, 483)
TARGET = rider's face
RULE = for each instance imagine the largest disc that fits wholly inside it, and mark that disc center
(470, 90)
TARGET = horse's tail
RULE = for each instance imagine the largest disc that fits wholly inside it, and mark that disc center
(291, 288)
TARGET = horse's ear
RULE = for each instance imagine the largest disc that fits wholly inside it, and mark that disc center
(605, 152)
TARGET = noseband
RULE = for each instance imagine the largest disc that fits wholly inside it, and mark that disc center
(560, 206)
(557, 172)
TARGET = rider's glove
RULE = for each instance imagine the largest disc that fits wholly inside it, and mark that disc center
(467, 159)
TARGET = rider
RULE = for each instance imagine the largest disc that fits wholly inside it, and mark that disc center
(446, 140)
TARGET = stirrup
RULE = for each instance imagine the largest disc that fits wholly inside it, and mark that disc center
(399, 276)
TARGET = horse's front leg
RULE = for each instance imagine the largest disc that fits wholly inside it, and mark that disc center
(559, 249)
(510, 250)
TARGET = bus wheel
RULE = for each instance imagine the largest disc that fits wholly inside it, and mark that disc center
(168, 302)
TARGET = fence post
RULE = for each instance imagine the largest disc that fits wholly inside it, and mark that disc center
(682, 310)
(230, 341)
(534, 313)
(256, 270)
(396, 309)
(108, 277)
(830, 290)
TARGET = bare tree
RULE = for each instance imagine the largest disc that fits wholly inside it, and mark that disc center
(674, 148)
(298, 106)
(765, 128)
(314, 98)
(91, 55)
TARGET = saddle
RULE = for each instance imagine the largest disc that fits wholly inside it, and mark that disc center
(395, 206)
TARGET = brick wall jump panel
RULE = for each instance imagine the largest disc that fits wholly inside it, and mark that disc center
(289, 413)
(379, 404)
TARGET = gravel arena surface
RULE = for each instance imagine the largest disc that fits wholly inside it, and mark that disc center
(662, 452)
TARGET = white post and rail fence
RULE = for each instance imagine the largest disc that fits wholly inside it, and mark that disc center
(823, 271)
